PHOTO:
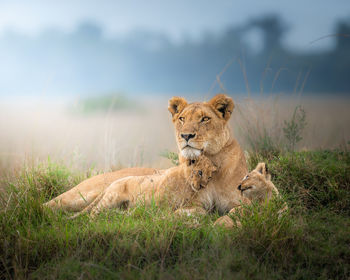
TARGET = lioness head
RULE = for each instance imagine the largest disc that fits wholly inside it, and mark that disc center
(199, 172)
(201, 126)
(257, 184)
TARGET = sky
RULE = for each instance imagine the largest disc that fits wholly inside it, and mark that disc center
(308, 20)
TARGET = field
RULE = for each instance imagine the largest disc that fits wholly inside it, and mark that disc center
(311, 241)
(137, 131)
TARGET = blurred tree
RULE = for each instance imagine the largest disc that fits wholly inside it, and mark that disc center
(89, 31)
(343, 36)
(273, 29)
(85, 61)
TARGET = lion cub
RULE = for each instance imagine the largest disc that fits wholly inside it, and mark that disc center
(256, 186)
(177, 185)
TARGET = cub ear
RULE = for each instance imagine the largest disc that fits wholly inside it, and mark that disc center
(262, 168)
(176, 105)
(223, 105)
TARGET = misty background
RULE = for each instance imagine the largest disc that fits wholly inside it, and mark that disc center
(88, 82)
(159, 47)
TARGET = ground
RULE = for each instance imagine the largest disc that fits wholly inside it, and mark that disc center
(310, 241)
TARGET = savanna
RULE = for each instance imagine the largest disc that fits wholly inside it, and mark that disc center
(310, 240)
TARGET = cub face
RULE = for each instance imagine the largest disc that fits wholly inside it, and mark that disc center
(201, 127)
(257, 184)
(199, 172)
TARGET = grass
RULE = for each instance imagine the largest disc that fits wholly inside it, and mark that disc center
(311, 241)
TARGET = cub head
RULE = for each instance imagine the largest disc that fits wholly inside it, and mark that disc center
(201, 127)
(199, 172)
(257, 184)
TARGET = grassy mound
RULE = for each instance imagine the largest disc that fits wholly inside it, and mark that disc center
(310, 241)
(313, 180)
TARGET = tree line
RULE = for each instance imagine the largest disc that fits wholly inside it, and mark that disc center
(85, 61)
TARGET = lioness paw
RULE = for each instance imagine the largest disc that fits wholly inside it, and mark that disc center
(226, 222)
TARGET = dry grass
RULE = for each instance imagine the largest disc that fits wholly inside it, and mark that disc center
(108, 140)
(327, 121)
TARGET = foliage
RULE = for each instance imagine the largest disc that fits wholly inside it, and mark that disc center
(293, 128)
(174, 157)
(105, 103)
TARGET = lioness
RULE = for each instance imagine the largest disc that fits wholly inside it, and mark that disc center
(178, 185)
(201, 128)
(256, 186)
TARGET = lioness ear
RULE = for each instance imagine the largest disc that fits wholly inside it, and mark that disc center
(262, 168)
(223, 105)
(176, 105)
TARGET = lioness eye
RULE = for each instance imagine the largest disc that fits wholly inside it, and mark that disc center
(200, 173)
(205, 119)
(182, 119)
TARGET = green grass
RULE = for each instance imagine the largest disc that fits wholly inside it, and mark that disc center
(311, 241)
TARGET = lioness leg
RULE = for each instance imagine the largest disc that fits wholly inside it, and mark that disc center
(114, 196)
(77, 198)
(104, 201)
(226, 221)
(88, 208)
(110, 201)
(73, 203)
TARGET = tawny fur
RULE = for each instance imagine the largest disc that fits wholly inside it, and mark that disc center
(256, 186)
(77, 198)
(178, 186)
(208, 121)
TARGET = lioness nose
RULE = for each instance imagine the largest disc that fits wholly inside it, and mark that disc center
(188, 136)
(239, 187)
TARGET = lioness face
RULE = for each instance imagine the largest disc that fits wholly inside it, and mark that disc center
(200, 172)
(201, 127)
(256, 186)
